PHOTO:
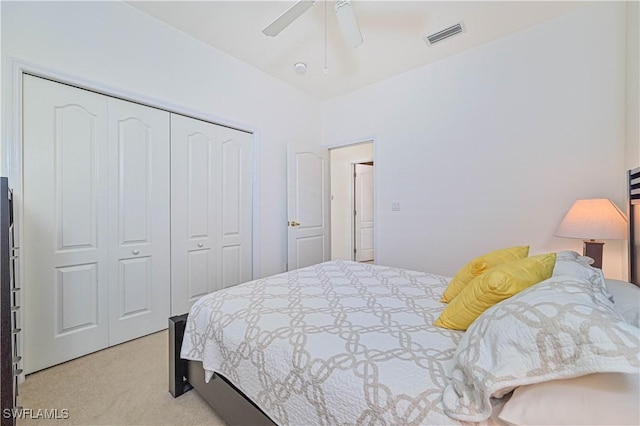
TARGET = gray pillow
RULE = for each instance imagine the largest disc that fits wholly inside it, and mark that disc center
(626, 300)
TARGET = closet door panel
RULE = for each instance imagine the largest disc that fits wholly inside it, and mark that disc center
(200, 179)
(135, 287)
(231, 182)
(65, 241)
(231, 265)
(77, 297)
(140, 287)
(195, 211)
(135, 155)
(198, 273)
(236, 196)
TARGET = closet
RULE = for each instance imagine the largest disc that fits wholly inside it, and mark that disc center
(130, 213)
(210, 209)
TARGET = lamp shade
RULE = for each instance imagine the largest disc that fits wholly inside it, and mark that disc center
(597, 219)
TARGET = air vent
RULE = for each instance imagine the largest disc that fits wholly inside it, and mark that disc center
(446, 33)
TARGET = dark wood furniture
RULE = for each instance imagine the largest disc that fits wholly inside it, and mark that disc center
(634, 225)
(9, 330)
(226, 399)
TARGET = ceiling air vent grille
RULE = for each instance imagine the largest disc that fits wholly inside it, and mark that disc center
(446, 33)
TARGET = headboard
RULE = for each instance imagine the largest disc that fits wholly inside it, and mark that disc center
(634, 225)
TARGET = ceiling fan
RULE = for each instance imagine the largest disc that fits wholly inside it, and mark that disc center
(346, 20)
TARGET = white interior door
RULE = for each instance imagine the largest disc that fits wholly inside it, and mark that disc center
(363, 213)
(211, 210)
(65, 209)
(139, 230)
(308, 207)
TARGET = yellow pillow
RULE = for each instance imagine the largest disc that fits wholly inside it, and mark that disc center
(497, 284)
(478, 266)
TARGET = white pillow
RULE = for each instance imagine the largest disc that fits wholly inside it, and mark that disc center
(594, 399)
(572, 264)
(560, 328)
(626, 300)
(574, 255)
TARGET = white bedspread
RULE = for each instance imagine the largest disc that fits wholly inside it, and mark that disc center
(335, 343)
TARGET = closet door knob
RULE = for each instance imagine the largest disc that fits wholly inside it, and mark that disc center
(200, 244)
(135, 251)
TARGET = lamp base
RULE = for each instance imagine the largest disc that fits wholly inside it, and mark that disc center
(593, 249)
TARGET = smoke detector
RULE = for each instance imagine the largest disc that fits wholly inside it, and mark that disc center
(300, 67)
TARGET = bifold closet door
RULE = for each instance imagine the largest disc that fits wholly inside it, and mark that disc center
(211, 209)
(96, 244)
(139, 204)
(65, 209)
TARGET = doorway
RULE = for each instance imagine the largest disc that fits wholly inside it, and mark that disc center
(352, 201)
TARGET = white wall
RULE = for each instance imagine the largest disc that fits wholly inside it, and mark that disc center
(484, 149)
(342, 160)
(117, 45)
(491, 147)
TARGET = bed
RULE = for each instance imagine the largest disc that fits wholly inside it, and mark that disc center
(348, 343)
(359, 336)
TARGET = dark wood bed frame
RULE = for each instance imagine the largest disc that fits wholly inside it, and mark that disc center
(227, 400)
(237, 409)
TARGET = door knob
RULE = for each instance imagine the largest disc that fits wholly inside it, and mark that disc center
(135, 251)
(200, 245)
(294, 223)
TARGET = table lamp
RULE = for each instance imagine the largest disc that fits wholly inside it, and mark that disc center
(591, 220)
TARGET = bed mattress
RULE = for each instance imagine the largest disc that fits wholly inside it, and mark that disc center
(334, 343)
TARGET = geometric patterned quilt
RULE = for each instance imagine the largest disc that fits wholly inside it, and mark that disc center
(331, 344)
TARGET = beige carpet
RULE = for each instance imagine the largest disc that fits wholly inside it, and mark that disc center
(123, 385)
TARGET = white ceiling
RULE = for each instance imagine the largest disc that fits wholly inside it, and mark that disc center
(392, 32)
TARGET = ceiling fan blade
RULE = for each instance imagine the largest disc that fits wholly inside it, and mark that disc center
(283, 21)
(348, 24)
